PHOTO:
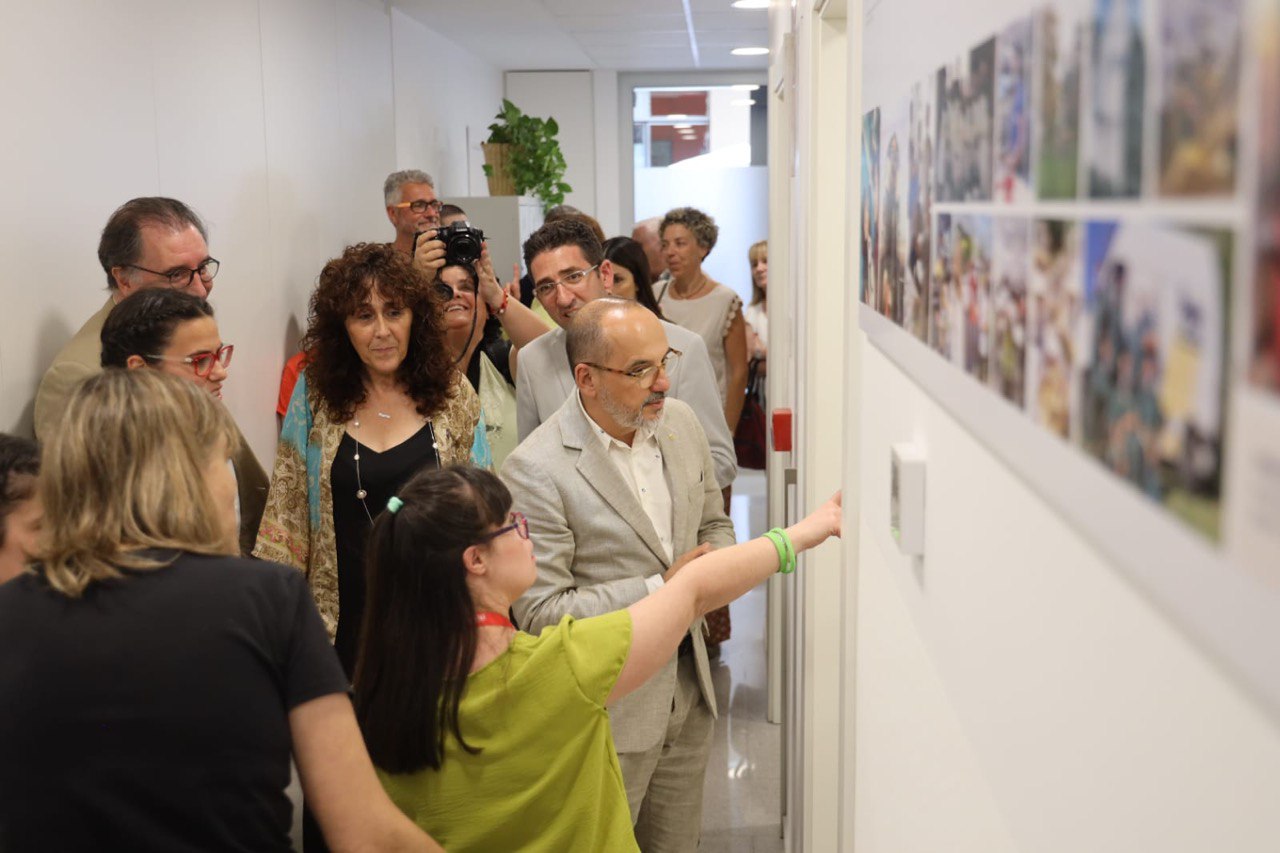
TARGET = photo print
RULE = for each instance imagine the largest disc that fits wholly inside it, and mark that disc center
(1011, 258)
(894, 225)
(960, 293)
(1054, 312)
(870, 204)
(915, 311)
(1264, 340)
(963, 140)
(1153, 389)
(1113, 123)
(1013, 106)
(1200, 96)
(1059, 44)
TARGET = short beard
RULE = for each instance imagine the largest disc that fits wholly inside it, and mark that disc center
(629, 419)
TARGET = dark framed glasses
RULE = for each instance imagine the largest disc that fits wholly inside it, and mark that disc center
(182, 276)
(421, 206)
(201, 362)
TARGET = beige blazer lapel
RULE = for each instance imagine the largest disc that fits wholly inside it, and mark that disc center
(683, 471)
(602, 475)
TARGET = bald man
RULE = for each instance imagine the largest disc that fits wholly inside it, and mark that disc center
(646, 234)
(620, 492)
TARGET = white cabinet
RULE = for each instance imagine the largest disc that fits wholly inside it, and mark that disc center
(507, 221)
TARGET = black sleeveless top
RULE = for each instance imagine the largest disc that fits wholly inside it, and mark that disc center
(381, 475)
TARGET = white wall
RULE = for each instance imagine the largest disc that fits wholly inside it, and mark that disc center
(1059, 707)
(1014, 691)
(736, 197)
(570, 98)
(445, 98)
(277, 121)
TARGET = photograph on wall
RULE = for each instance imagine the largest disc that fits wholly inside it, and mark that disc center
(961, 293)
(1013, 107)
(915, 311)
(870, 204)
(1113, 121)
(1153, 387)
(1054, 311)
(1010, 261)
(1058, 50)
(1264, 340)
(963, 140)
(1200, 96)
(894, 227)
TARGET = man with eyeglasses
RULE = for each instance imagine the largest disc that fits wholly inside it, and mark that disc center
(412, 207)
(620, 493)
(149, 242)
(569, 270)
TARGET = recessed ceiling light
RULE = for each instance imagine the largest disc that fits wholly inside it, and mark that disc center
(683, 126)
(742, 102)
(745, 87)
(749, 51)
(675, 115)
(751, 4)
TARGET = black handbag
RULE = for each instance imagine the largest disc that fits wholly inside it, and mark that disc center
(751, 436)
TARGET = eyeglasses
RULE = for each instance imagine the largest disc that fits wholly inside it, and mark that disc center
(519, 524)
(202, 362)
(644, 376)
(421, 206)
(544, 289)
(181, 276)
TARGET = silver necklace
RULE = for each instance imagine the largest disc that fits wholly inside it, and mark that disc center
(361, 494)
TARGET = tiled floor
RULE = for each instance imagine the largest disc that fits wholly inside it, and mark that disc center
(741, 800)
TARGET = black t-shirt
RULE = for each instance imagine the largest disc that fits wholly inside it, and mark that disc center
(152, 713)
(381, 476)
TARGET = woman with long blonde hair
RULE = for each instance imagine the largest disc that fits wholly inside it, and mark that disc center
(153, 683)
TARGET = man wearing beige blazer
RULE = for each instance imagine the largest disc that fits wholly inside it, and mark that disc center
(545, 380)
(147, 242)
(620, 492)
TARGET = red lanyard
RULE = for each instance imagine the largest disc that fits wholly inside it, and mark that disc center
(489, 618)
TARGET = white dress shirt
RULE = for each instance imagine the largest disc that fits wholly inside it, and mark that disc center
(641, 467)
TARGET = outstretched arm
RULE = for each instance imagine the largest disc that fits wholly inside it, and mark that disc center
(659, 621)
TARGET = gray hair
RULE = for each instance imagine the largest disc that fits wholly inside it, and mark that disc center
(585, 339)
(121, 241)
(702, 227)
(391, 186)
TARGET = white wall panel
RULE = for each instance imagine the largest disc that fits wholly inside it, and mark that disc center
(568, 97)
(443, 93)
(277, 121)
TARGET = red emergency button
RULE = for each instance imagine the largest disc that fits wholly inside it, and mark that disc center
(782, 430)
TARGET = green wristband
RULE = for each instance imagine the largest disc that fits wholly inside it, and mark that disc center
(786, 551)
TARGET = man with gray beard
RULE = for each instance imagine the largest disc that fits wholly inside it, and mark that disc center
(620, 492)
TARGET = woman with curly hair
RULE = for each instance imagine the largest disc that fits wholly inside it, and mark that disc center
(379, 400)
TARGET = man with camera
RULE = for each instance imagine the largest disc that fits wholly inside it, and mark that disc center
(454, 260)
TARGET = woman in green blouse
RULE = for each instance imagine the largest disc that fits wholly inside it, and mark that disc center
(493, 739)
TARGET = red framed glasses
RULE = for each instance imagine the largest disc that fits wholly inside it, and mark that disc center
(201, 362)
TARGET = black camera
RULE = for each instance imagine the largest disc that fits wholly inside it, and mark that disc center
(462, 243)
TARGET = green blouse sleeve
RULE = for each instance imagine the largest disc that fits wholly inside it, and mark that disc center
(596, 649)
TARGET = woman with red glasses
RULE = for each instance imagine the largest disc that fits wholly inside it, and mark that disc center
(490, 738)
(174, 332)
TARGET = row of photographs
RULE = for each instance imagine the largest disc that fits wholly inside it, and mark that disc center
(1109, 334)
(1053, 108)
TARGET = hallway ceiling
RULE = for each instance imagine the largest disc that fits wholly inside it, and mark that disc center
(623, 35)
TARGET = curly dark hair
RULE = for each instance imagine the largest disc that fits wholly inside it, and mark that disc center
(702, 226)
(335, 374)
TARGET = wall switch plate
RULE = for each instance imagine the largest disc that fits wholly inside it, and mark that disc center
(906, 498)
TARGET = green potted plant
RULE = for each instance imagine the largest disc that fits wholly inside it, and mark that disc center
(522, 156)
